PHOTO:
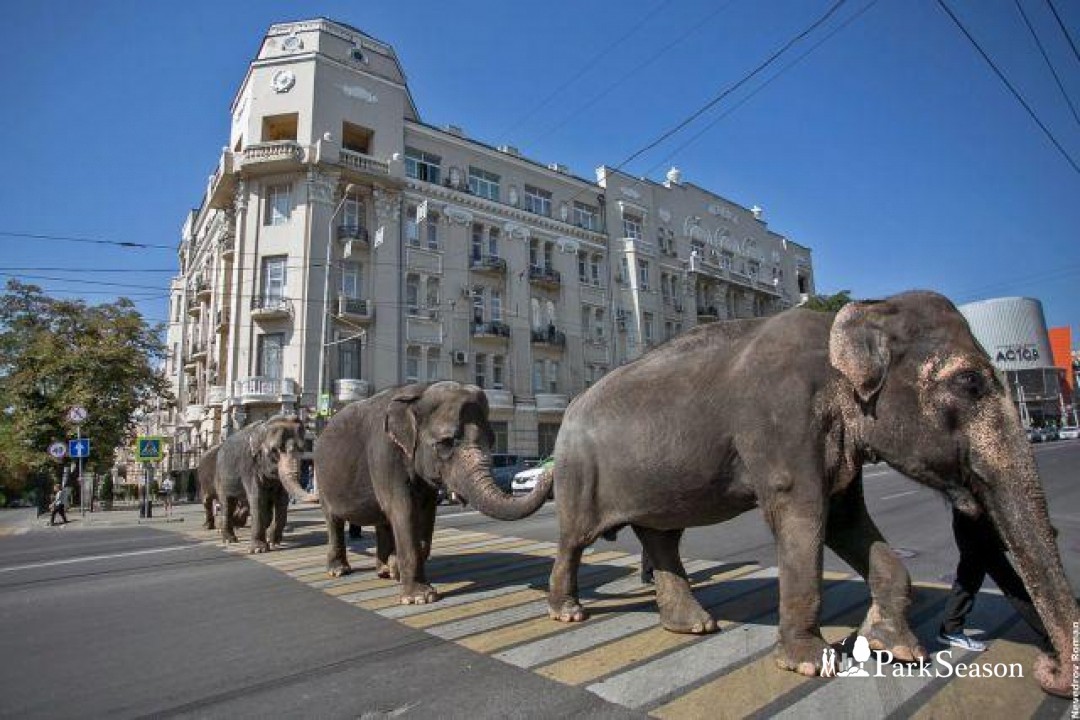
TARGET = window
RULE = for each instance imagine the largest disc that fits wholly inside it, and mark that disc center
(434, 370)
(356, 138)
(480, 370)
(583, 267)
(276, 128)
(496, 305)
(498, 372)
(594, 270)
(647, 322)
(664, 287)
(432, 293)
(412, 228)
(549, 256)
(547, 432)
(537, 201)
(493, 242)
(432, 224)
(273, 279)
(501, 430)
(586, 322)
(624, 267)
(631, 227)
(412, 364)
(352, 213)
(477, 241)
(350, 280)
(669, 329)
(598, 328)
(643, 274)
(478, 304)
(349, 359)
(271, 355)
(534, 253)
(422, 165)
(278, 205)
(412, 293)
(585, 216)
(553, 376)
(538, 376)
(484, 183)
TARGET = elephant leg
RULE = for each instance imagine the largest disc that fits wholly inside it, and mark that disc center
(796, 523)
(426, 524)
(386, 565)
(415, 589)
(337, 563)
(228, 534)
(563, 603)
(852, 535)
(208, 508)
(261, 506)
(281, 517)
(679, 610)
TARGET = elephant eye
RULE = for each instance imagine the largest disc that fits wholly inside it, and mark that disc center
(969, 383)
(445, 448)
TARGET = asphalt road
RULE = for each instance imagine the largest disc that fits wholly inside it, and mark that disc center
(102, 618)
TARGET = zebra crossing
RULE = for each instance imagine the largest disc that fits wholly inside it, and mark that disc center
(493, 602)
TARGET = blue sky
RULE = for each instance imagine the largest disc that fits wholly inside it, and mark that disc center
(890, 149)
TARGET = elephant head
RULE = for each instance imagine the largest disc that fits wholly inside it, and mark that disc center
(928, 401)
(444, 434)
(276, 447)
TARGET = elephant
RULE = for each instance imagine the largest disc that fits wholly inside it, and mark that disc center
(206, 472)
(262, 463)
(382, 461)
(782, 413)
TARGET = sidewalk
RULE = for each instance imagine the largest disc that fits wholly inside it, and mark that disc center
(23, 520)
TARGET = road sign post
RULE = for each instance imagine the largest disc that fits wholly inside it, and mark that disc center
(77, 415)
(148, 449)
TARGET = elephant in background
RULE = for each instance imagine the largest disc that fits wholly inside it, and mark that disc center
(262, 463)
(206, 473)
(781, 414)
(382, 461)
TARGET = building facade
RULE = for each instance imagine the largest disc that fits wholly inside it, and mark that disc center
(343, 246)
(1013, 331)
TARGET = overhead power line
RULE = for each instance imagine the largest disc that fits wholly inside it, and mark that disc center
(94, 241)
(1009, 85)
(1064, 30)
(1046, 58)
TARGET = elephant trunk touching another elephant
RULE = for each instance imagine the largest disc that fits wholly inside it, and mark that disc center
(472, 479)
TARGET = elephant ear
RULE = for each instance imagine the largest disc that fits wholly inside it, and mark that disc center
(859, 347)
(401, 424)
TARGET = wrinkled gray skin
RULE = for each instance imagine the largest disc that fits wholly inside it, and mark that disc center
(262, 463)
(781, 414)
(206, 473)
(380, 461)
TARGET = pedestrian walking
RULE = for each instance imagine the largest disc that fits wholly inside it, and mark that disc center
(59, 504)
(983, 553)
(167, 493)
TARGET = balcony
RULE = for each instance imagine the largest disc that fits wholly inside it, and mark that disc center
(194, 308)
(222, 321)
(708, 313)
(215, 396)
(264, 391)
(488, 264)
(551, 402)
(203, 291)
(348, 390)
(545, 276)
(362, 164)
(480, 330)
(270, 308)
(356, 309)
(228, 245)
(273, 157)
(550, 336)
(221, 185)
(353, 238)
(199, 349)
(500, 399)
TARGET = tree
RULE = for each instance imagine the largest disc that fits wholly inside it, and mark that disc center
(57, 353)
(828, 303)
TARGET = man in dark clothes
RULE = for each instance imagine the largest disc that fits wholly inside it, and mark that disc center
(982, 553)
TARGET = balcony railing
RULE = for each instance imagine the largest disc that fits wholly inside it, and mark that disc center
(353, 307)
(270, 308)
(488, 263)
(544, 275)
(215, 395)
(709, 312)
(500, 399)
(491, 329)
(549, 336)
(280, 151)
(551, 402)
(264, 390)
(346, 390)
(363, 163)
(357, 234)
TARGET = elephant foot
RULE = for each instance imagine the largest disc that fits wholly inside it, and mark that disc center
(891, 635)
(685, 615)
(338, 569)
(275, 545)
(569, 611)
(388, 570)
(1055, 676)
(208, 525)
(802, 656)
(229, 538)
(419, 595)
(258, 547)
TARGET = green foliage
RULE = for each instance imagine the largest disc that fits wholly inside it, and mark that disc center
(828, 303)
(56, 353)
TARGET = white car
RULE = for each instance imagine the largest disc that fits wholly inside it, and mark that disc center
(1069, 432)
(524, 482)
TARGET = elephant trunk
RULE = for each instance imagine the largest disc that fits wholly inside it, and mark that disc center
(1011, 492)
(289, 473)
(473, 480)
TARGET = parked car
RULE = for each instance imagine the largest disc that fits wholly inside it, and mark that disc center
(504, 466)
(1035, 435)
(526, 480)
(1069, 432)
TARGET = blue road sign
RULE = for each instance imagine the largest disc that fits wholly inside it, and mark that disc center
(148, 448)
(79, 448)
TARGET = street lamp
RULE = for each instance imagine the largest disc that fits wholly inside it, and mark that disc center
(323, 359)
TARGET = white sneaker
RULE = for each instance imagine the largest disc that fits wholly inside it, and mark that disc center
(961, 640)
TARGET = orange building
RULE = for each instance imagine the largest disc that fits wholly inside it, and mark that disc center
(1061, 349)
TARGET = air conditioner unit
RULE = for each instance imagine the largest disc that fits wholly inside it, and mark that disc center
(459, 357)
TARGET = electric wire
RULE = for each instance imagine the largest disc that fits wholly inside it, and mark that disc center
(94, 241)
(1046, 58)
(1064, 30)
(1009, 85)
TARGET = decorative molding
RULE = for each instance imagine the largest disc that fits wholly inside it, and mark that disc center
(240, 199)
(357, 92)
(322, 187)
(283, 81)
(458, 215)
(630, 193)
(385, 204)
(516, 231)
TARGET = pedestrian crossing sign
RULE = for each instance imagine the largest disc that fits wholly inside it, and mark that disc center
(149, 448)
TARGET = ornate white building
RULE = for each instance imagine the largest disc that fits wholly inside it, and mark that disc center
(448, 257)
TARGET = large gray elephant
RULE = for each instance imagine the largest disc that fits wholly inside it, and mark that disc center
(206, 473)
(781, 414)
(262, 463)
(382, 460)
